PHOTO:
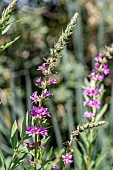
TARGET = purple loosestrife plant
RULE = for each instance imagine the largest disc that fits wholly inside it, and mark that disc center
(93, 96)
(39, 113)
(92, 92)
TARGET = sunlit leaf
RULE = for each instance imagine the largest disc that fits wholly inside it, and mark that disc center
(18, 161)
(14, 135)
(24, 125)
(101, 113)
(6, 28)
(100, 159)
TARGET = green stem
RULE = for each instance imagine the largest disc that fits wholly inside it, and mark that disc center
(36, 139)
(64, 168)
(90, 148)
(35, 151)
(14, 154)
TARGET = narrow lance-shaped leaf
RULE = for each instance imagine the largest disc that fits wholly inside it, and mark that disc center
(24, 124)
(100, 159)
(101, 113)
(6, 27)
(3, 47)
(18, 161)
(78, 157)
(14, 135)
(2, 159)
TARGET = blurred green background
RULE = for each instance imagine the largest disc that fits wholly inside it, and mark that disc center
(40, 25)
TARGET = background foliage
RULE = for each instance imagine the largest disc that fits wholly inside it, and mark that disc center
(40, 26)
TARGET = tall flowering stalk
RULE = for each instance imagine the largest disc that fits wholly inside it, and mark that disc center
(92, 94)
(38, 112)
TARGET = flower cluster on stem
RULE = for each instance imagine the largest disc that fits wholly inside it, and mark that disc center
(92, 92)
(38, 112)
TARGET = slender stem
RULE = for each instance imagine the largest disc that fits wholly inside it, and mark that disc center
(64, 168)
(90, 147)
(36, 139)
(14, 154)
(12, 159)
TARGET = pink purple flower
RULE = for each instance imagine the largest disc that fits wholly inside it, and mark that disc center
(42, 131)
(92, 103)
(32, 130)
(99, 77)
(56, 168)
(87, 102)
(42, 68)
(105, 69)
(99, 57)
(46, 93)
(95, 104)
(31, 144)
(96, 76)
(34, 97)
(42, 146)
(97, 64)
(52, 81)
(89, 114)
(67, 158)
(39, 112)
(30, 161)
(92, 91)
(38, 81)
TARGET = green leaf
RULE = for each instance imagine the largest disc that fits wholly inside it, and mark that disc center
(5, 28)
(78, 157)
(91, 165)
(18, 161)
(84, 164)
(24, 125)
(24, 150)
(50, 153)
(3, 47)
(84, 138)
(82, 147)
(14, 135)
(99, 159)
(2, 159)
(38, 166)
(46, 162)
(101, 113)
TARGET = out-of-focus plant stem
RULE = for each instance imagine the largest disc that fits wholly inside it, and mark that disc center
(90, 148)
(36, 140)
(14, 154)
